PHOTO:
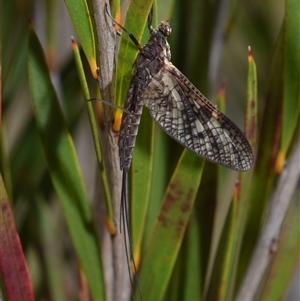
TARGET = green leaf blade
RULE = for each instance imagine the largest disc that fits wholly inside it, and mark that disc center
(291, 79)
(62, 162)
(81, 19)
(169, 229)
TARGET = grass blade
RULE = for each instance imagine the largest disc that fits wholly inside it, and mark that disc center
(63, 166)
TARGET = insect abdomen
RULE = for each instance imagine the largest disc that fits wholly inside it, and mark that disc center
(127, 136)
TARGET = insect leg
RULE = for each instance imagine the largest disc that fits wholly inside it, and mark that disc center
(150, 17)
(131, 36)
(110, 104)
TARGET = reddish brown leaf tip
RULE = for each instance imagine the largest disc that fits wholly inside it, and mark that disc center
(73, 42)
(236, 191)
(250, 55)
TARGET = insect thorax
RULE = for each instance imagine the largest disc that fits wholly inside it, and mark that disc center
(158, 45)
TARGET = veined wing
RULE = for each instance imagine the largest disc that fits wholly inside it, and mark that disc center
(190, 118)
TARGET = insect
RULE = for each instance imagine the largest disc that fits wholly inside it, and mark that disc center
(179, 108)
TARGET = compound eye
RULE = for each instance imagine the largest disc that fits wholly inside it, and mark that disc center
(165, 28)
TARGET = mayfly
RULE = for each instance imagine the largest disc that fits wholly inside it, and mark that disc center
(178, 107)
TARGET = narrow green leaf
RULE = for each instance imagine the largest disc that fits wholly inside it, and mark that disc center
(190, 287)
(291, 79)
(136, 18)
(263, 173)
(22, 156)
(164, 243)
(94, 129)
(278, 124)
(13, 51)
(141, 170)
(241, 195)
(47, 228)
(223, 282)
(81, 19)
(159, 177)
(251, 104)
(63, 165)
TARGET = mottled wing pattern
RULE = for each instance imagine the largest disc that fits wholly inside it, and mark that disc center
(190, 118)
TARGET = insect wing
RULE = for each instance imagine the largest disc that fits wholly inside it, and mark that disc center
(190, 118)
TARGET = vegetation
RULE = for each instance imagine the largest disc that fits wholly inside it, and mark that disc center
(199, 231)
